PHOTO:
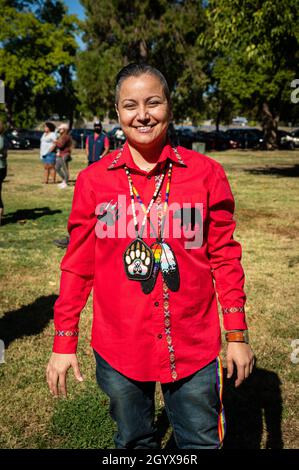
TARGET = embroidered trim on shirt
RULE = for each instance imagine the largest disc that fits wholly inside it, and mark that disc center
(66, 333)
(180, 160)
(233, 310)
(178, 156)
(116, 159)
(167, 324)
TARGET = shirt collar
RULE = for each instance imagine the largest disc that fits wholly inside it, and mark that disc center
(124, 158)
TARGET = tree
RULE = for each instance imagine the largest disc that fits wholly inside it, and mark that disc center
(37, 56)
(160, 32)
(256, 56)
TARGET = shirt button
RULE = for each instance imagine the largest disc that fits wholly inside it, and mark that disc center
(156, 304)
(148, 177)
(160, 336)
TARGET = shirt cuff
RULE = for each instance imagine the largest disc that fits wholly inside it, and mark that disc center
(65, 342)
(234, 318)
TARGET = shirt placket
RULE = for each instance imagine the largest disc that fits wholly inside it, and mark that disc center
(165, 311)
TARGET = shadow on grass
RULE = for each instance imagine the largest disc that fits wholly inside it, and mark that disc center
(290, 171)
(254, 406)
(28, 214)
(28, 320)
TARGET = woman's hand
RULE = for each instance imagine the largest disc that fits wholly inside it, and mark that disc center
(242, 356)
(57, 369)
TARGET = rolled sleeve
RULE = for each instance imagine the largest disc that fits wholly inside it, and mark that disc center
(77, 268)
(225, 253)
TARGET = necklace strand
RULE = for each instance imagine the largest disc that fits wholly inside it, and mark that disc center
(134, 192)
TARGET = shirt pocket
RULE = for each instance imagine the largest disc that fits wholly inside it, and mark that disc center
(187, 220)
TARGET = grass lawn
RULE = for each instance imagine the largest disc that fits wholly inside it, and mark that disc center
(261, 413)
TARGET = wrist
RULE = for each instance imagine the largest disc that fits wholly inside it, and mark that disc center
(237, 336)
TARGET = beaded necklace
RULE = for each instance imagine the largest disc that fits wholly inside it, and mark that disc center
(142, 263)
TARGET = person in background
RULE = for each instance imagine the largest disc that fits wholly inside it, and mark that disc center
(97, 145)
(119, 138)
(3, 166)
(47, 151)
(64, 146)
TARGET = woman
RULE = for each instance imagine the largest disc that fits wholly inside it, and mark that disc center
(47, 151)
(151, 228)
(64, 146)
(3, 166)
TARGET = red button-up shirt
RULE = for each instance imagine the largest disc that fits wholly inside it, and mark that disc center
(162, 336)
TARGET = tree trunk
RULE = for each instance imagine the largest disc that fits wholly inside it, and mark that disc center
(71, 118)
(219, 115)
(269, 123)
(218, 119)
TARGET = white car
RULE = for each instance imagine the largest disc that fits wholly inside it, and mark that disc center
(240, 120)
(295, 135)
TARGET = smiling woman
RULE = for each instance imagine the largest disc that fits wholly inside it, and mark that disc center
(155, 315)
(143, 107)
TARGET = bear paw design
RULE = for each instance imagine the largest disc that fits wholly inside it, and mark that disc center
(138, 261)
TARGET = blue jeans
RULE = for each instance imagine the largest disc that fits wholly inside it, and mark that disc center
(192, 404)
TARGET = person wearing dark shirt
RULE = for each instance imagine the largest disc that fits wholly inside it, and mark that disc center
(97, 144)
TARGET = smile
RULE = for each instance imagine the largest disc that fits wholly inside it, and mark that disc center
(144, 129)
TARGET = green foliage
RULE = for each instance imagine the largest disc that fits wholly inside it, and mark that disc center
(160, 32)
(37, 48)
(255, 45)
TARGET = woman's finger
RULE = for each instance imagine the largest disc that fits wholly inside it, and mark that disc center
(53, 381)
(62, 384)
(240, 375)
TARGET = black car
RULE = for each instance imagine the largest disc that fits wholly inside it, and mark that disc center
(79, 136)
(33, 136)
(15, 140)
(185, 136)
(219, 140)
(250, 138)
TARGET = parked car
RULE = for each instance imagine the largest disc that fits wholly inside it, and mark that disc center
(15, 140)
(32, 135)
(185, 136)
(295, 135)
(79, 136)
(247, 138)
(218, 140)
(285, 140)
(240, 120)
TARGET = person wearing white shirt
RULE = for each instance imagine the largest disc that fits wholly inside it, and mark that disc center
(47, 151)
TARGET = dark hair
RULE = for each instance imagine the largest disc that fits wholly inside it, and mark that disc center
(135, 70)
(50, 126)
